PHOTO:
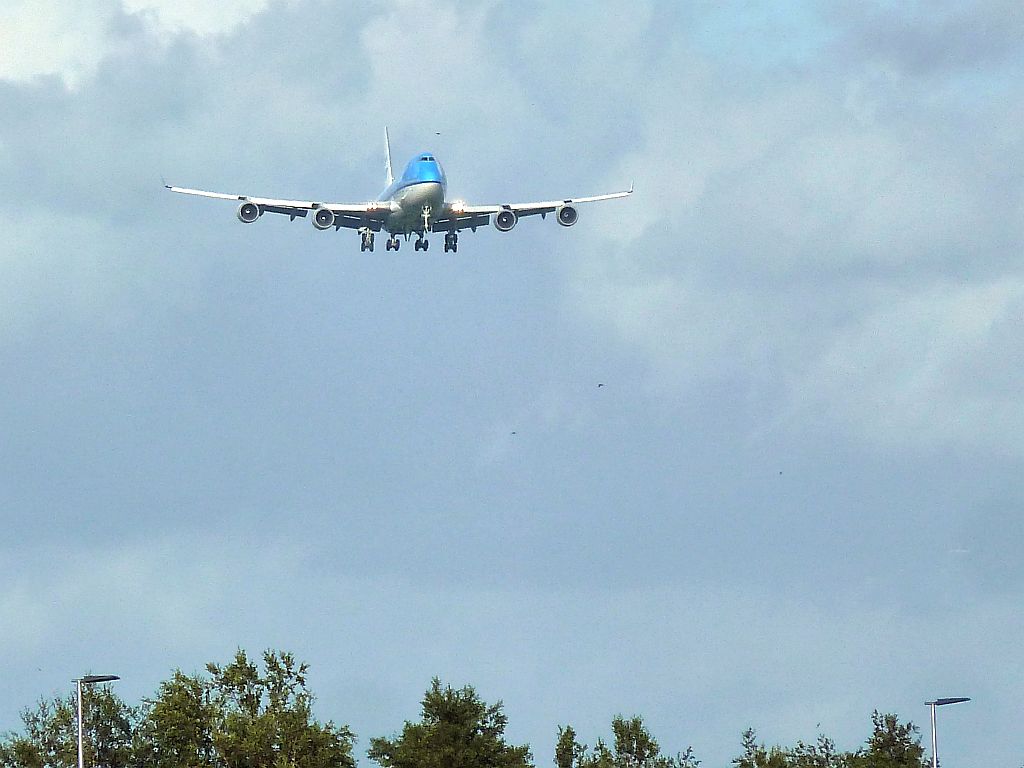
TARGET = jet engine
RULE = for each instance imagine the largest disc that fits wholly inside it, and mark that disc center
(248, 212)
(323, 218)
(505, 219)
(567, 215)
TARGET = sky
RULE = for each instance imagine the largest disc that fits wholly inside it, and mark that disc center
(795, 498)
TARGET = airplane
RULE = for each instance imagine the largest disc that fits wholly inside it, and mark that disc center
(414, 204)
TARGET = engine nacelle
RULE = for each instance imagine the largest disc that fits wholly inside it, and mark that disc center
(567, 215)
(505, 219)
(248, 212)
(323, 218)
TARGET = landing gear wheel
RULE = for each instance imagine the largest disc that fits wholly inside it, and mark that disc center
(392, 243)
(367, 242)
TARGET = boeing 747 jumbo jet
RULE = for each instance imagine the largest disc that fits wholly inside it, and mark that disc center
(415, 204)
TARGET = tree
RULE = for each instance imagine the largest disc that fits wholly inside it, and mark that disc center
(633, 746)
(457, 729)
(892, 745)
(821, 754)
(50, 735)
(758, 756)
(178, 730)
(238, 717)
(568, 752)
(266, 719)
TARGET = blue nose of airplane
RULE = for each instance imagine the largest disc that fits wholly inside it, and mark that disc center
(423, 168)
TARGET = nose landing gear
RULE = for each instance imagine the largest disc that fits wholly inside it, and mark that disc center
(421, 244)
(451, 242)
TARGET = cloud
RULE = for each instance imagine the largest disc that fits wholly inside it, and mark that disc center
(554, 655)
(833, 224)
(52, 38)
(927, 370)
(70, 40)
(806, 318)
(202, 18)
(935, 39)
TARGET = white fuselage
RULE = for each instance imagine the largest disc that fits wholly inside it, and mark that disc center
(419, 196)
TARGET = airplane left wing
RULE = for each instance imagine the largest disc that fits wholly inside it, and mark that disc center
(460, 215)
(325, 216)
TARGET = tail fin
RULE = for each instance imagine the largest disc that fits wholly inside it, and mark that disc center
(387, 157)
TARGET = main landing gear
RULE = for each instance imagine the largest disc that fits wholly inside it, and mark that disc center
(451, 242)
(393, 243)
(367, 241)
(421, 243)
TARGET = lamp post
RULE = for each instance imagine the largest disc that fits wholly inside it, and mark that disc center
(933, 705)
(87, 680)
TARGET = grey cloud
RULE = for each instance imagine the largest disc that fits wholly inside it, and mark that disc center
(936, 39)
(805, 321)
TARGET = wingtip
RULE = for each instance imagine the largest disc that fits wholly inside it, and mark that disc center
(631, 186)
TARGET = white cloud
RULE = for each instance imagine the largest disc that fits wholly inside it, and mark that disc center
(40, 37)
(826, 241)
(839, 248)
(928, 368)
(69, 38)
(198, 16)
(684, 657)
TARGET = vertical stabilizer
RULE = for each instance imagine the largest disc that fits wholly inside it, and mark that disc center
(387, 157)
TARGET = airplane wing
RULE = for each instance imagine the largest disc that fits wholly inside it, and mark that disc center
(461, 215)
(351, 215)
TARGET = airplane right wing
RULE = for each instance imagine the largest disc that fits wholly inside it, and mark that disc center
(325, 215)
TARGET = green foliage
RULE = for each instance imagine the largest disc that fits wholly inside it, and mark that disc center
(758, 756)
(266, 719)
(892, 745)
(50, 735)
(568, 752)
(239, 717)
(821, 754)
(247, 715)
(457, 729)
(633, 746)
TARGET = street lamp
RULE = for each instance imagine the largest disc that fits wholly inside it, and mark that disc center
(933, 705)
(87, 680)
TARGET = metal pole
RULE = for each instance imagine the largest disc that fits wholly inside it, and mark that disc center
(88, 680)
(81, 751)
(935, 748)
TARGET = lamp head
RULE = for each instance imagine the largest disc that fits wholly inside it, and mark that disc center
(96, 679)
